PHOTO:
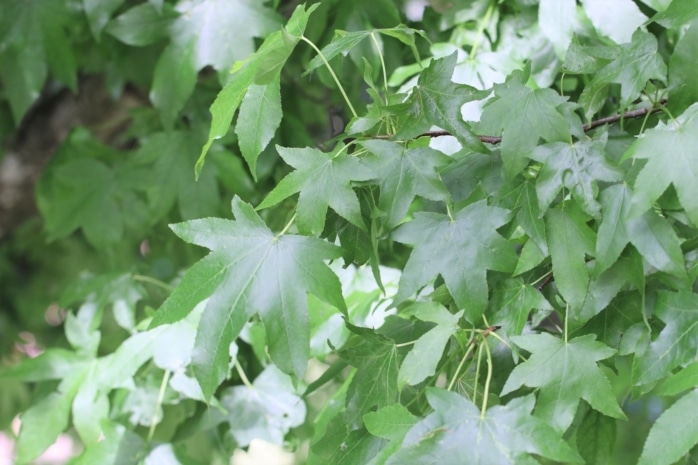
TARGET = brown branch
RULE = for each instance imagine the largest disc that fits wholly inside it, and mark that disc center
(640, 112)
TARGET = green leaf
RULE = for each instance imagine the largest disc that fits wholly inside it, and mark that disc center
(422, 359)
(686, 378)
(456, 433)
(267, 411)
(512, 301)
(461, 250)
(99, 12)
(391, 422)
(207, 33)
(403, 174)
(172, 155)
(569, 240)
(578, 167)
(261, 68)
(250, 271)
(557, 20)
(41, 425)
(683, 88)
(436, 101)
(141, 25)
(520, 197)
(672, 159)
(565, 372)
(596, 438)
(676, 343)
(260, 116)
(375, 381)
(666, 443)
(323, 179)
(523, 116)
(616, 20)
(679, 13)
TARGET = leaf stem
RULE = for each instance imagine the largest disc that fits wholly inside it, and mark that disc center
(243, 376)
(405, 344)
(487, 380)
(334, 76)
(567, 317)
(480, 30)
(288, 225)
(460, 366)
(380, 55)
(153, 281)
(477, 370)
(158, 404)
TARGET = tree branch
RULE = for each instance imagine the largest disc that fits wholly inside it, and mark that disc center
(632, 114)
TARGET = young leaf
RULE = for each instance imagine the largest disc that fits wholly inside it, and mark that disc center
(404, 173)
(670, 151)
(456, 433)
(565, 372)
(522, 116)
(677, 342)
(667, 443)
(436, 101)
(578, 167)
(323, 180)
(250, 270)
(461, 249)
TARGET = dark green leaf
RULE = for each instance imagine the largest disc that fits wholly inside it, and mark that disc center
(141, 25)
(460, 249)
(596, 438)
(565, 372)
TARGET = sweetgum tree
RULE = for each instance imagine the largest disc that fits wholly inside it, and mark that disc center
(367, 233)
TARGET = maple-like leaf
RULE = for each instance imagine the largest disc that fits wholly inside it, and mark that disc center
(461, 249)
(565, 372)
(456, 433)
(578, 167)
(677, 342)
(404, 173)
(512, 301)
(323, 179)
(250, 271)
(436, 101)
(670, 149)
(523, 116)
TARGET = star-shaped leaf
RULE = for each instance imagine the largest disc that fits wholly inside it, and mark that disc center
(512, 301)
(456, 433)
(404, 173)
(565, 372)
(523, 116)
(250, 271)
(436, 101)
(461, 249)
(323, 179)
(678, 341)
(578, 167)
(672, 159)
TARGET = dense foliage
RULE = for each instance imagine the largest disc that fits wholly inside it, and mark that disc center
(468, 235)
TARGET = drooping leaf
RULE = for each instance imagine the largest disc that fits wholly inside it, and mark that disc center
(260, 116)
(436, 101)
(422, 360)
(672, 159)
(250, 271)
(375, 382)
(578, 167)
(323, 179)
(569, 240)
(565, 372)
(460, 249)
(403, 174)
(666, 443)
(455, 433)
(522, 116)
(676, 343)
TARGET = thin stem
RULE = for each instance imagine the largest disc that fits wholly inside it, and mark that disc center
(158, 404)
(477, 370)
(380, 55)
(334, 76)
(448, 212)
(567, 317)
(460, 366)
(288, 225)
(487, 381)
(155, 282)
(242, 374)
(405, 344)
(480, 30)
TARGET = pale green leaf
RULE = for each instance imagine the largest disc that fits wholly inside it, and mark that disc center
(617, 19)
(557, 20)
